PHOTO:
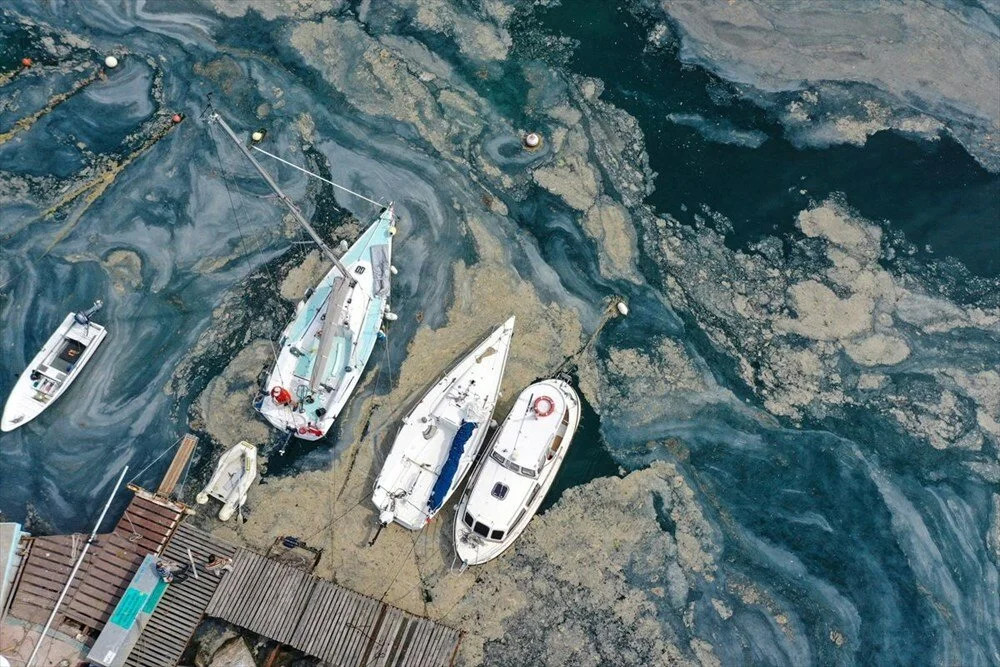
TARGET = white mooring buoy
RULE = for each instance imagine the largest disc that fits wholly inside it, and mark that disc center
(532, 140)
(111, 62)
(393, 270)
(622, 308)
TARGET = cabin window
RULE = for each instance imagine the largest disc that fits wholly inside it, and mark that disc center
(481, 529)
(496, 535)
(500, 490)
(467, 519)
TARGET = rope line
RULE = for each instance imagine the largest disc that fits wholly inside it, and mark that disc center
(325, 180)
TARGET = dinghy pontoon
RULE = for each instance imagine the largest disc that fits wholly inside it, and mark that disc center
(54, 368)
(234, 474)
(440, 438)
(511, 480)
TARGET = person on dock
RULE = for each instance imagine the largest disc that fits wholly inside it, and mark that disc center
(170, 571)
(219, 564)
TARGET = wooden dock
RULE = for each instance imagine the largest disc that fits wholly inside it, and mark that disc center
(177, 466)
(144, 528)
(183, 605)
(324, 620)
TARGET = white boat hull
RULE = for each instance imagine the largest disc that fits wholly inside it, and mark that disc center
(320, 369)
(516, 472)
(441, 436)
(51, 371)
(234, 475)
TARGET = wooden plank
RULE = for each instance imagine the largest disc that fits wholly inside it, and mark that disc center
(177, 466)
(379, 656)
(364, 628)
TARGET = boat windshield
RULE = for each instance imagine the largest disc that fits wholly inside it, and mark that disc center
(513, 467)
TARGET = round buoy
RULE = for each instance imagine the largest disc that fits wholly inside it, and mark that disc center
(543, 406)
(26, 62)
(177, 118)
(622, 308)
(532, 140)
(257, 135)
(111, 62)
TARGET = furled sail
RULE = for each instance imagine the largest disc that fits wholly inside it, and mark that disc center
(332, 327)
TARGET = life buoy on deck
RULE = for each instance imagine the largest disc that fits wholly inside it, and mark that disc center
(281, 396)
(543, 406)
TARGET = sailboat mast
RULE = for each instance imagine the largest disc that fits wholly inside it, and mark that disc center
(285, 199)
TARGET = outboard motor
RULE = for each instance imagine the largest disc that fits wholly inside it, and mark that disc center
(84, 317)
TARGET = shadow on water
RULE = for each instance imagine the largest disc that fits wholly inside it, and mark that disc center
(586, 460)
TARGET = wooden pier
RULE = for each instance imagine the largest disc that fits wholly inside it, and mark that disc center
(144, 528)
(276, 598)
(325, 620)
(182, 606)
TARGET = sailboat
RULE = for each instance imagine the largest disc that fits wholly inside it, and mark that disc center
(511, 480)
(54, 368)
(326, 346)
(441, 436)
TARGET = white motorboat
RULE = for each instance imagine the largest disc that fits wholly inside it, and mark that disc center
(326, 346)
(517, 470)
(54, 368)
(233, 476)
(442, 435)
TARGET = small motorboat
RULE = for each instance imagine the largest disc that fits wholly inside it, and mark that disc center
(442, 435)
(510, 482)
(52, 371)
(234, 473)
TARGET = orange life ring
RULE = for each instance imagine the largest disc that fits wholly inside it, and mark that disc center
(543, 406)
(281, 396)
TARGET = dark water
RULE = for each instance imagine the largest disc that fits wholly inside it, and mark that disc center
(849, 523)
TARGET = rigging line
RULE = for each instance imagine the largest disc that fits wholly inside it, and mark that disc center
(151, 463)
(399, 571)
(239, 228)
(325, 180)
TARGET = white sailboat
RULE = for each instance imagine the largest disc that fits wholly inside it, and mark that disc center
(54, 368)
(511, 480)
(441, 436)
(233, 476)
(326, 346)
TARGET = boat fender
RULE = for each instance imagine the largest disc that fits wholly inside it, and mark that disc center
(543, 406)
(386, 517)
(281, 396)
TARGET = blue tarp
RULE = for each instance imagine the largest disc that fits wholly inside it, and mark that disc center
(450, 467)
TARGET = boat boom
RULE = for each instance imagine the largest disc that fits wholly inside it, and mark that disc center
(285, 199)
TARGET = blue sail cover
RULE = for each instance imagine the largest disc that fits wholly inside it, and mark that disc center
(450, 467)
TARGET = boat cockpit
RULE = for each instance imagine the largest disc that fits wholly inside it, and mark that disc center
(481, 529)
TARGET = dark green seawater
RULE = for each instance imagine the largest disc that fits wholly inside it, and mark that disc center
(855, 530)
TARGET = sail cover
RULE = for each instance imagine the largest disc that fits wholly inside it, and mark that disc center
(440, 491)
(380, 269)
(331, 328)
